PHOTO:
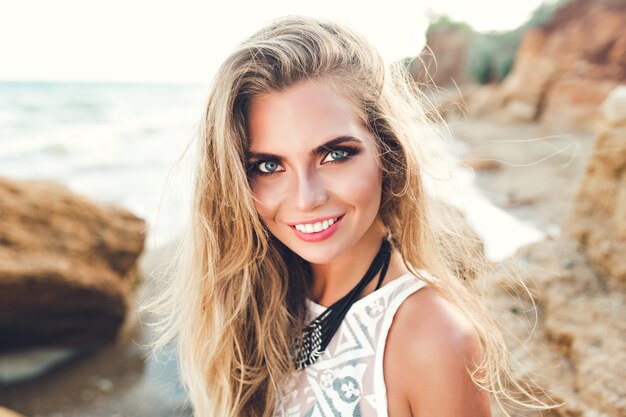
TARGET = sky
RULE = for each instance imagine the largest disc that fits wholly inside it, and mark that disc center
(185, 40)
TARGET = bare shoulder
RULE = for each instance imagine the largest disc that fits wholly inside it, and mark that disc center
(430, 348)
(427, 321)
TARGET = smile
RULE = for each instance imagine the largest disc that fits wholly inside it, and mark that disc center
(318, 230)
(316, 227)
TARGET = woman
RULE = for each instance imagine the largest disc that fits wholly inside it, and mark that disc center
(313, 280)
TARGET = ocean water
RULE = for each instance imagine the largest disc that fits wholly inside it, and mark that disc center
(115, 143)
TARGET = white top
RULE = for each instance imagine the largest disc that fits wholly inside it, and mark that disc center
(347, 379)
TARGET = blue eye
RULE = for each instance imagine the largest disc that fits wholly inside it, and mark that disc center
(268, 167)
(336, 155)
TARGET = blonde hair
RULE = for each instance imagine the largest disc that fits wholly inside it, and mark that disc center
(235, 305)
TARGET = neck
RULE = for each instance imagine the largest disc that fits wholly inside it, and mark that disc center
(334, 280)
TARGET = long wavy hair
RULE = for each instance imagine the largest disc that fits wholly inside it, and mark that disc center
(235, 303)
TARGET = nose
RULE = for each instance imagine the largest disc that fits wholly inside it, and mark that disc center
(310, 190)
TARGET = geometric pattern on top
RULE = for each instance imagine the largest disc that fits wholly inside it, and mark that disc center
(347, 379)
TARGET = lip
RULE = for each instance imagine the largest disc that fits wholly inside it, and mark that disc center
(319, 236)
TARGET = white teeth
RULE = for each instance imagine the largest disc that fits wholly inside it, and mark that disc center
(315, 227)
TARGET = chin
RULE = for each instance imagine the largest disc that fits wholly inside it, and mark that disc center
(314, 253)
(316, 258)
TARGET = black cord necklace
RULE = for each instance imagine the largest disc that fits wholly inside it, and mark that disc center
(317, 335)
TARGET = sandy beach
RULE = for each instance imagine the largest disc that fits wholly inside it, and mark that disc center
(532, 172)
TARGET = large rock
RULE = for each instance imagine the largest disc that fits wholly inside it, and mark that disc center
(599, 215)
(67, 266)
(532, 75)
(561, 72)
(443, 59)
(575, 102)
(578, 344)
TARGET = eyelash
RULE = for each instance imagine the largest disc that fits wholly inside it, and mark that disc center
(253, 168)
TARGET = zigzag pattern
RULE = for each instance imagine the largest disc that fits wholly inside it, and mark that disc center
(347, 380)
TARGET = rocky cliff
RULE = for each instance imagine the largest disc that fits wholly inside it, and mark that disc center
(566, 68)
(442, 62)
(578, 348)
(599, 215)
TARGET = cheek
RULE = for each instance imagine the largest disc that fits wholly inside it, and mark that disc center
(361, 186)
(266, 199)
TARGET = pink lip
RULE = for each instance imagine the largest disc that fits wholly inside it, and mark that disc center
(319, 236)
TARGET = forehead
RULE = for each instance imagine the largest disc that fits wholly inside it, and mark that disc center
(301, 117)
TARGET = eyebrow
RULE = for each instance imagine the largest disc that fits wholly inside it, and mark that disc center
(317, 151)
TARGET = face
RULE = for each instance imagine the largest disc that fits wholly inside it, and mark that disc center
(313, 171)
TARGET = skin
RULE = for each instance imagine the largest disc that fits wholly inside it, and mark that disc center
(310, 186)
(429, 342)
(429, 346)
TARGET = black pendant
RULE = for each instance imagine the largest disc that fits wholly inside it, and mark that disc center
(317, 335)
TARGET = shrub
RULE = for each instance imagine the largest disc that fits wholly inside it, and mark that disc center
(490, 56)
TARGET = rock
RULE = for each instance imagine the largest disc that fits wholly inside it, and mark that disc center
(482, 164)
(520, 110)
(5, 412)
(513, 200)
(575, 102)
(29, 363)
(67, 266)
(598, 218)
(561, 74)
(480, 100)
(614, 107)
(532, 74)
(578, 281)
(578, 346)
(443, 58)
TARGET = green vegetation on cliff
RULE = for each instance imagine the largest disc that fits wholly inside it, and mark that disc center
(490, 56)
